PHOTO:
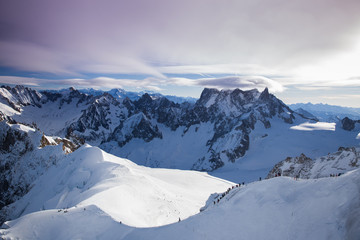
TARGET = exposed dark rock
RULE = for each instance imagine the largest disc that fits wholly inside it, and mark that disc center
(348, 124)
(299, 167)
(137, 126)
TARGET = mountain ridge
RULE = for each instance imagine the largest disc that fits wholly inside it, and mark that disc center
(219, 125)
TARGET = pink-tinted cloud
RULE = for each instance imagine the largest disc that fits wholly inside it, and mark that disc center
(258, 37)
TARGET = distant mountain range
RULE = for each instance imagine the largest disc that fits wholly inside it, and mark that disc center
(325, 112)
(121, 94)
(224, 128)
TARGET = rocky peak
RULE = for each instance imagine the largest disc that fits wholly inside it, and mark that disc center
(349, 124)
(136, 126)
(20, 96)
(106, 99)
(265, 95)
(293, 167)
(345, 159)
(145, 102)
(74, 95)
(206, 95)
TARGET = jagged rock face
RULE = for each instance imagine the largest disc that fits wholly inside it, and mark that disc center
(75, 95)
(49, 96)
(232, 115)
(100, 118)
(345, 159)
(136, 126)
(161, 109)
(13, 145)
(22, 162)
(349, 124)
(298, 167)
(20, 96)
(4, 117)
(13, 141)
(67, 145)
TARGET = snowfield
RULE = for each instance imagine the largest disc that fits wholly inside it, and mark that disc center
(307, 126)
(269, 146)
(278, 208)
(137, 196)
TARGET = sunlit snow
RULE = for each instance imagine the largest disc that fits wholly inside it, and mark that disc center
(307, 126)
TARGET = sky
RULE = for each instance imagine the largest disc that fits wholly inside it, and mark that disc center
(302, 50)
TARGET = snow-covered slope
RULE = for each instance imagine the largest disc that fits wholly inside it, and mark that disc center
(50, 111)
(19, 96)
(306, 114)
(25, 154)
(344, 160)
(135, 195)
(278, 208)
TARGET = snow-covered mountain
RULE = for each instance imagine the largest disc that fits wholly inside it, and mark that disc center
(25, 154)
(90, 178)
(49, 191)
(325, 112)
(19, 97)
(344, 160)
(233, 132)
(278, 208)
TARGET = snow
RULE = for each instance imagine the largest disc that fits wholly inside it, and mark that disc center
(50, 117)
(269, 146)
(176, 149)
(6, 109)
(5, 93)
(279, 208)
(336, 163)
(211, 101)
(307, 126)
(137, 196)
(344, 160)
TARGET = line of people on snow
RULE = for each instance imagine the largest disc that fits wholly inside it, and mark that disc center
(335, 175)
(228, 191)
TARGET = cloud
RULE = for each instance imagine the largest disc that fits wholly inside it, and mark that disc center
(97, 83)
(353, 97)
(152, 83)
(232, 68)
(19, 80)
(35, 58)
(160, 36)
(242, 82)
